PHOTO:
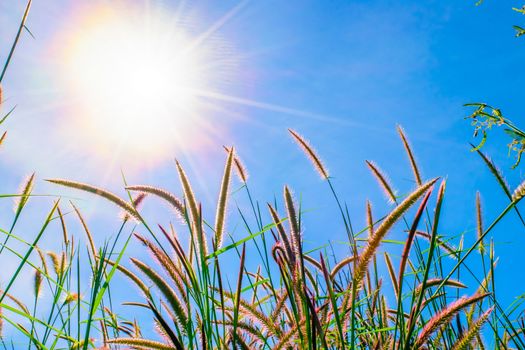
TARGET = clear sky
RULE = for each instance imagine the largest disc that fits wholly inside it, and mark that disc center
(342, 73)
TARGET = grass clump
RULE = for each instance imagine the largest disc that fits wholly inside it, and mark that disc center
(296, 298)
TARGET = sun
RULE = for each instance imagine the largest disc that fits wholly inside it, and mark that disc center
(133, 79)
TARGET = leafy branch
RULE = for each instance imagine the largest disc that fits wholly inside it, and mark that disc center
(485, 117)
(519, 30)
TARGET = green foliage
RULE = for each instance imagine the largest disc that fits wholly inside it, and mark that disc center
(519, 30)
(485, 117)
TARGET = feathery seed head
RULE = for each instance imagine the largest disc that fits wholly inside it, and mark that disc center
(65, 236)
(42, 259)
(375, 240)
(137, 201)
(369, 218)
(194, 212)
(283, 237)
(55, 260)
(25, 191)
(311, 154)
(294, 225)
(222, 203)
(383, 181)
(71, 297)
(241, 171)
(411, 158)
(98, 191)
(495, 171)
(141, 343)
(175, 202)
(444, 316)
(479, 221)
(37, 283)
(519, 192)
(467, 338)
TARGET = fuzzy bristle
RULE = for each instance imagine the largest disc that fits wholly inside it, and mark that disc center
(311, 154)
(410, 154)
(383, 181)
(240, 169)
(444, 316)
(519, 192)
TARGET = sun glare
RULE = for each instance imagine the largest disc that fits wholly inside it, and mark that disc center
(133, 78)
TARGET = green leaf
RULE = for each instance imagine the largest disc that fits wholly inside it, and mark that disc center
(239, 242)
(513, 133)
(519, 31)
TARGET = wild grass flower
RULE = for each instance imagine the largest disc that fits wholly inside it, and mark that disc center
(25, 191)
(42, 256)
(383, 181)
(133, 277)
(496, 172)
(341, 264)
(374, 241)
(311, 154)
(329, 302)
(170, 267)
(137, 201)
(444, 316)
(241, 171)
(141, 343)
(519, 192)
(445, 246)
(479, 224)
(194, 212)
(411, 158)
(71, 297)
(65, 235)
(98, 191)
(223, 201)
(37, 283)
(464, 342)
(392, 274)
(283, 237)
(294, 224)
(165, 289)
(170, 198)
(432, 282)
(56, 261)
(86, 230)
(369, 219)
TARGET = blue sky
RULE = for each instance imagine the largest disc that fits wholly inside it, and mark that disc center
(342, 73)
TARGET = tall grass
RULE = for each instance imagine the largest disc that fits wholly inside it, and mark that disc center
(293, 299)
(297, 298)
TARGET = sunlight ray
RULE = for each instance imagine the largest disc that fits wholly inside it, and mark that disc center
(217, 25)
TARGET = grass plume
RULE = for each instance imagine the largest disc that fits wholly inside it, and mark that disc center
(410, 154)
(444, 316)
(383, 181)
(374, 241)
(311, 154)
(223, 201)
(100, 192)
